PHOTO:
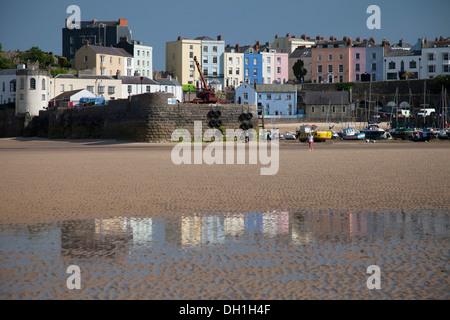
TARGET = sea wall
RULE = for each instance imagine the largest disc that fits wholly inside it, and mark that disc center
(145, 118)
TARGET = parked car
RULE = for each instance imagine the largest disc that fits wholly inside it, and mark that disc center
(290, 136)
(426, 112)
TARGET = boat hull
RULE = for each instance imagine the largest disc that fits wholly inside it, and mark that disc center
(358, 136)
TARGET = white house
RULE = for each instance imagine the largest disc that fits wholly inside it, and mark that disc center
(8, 86)
(435, 58)
(268, 66)
(171, 85)
(233, 65)
(397, 63)
(71, 98)
(139, 85)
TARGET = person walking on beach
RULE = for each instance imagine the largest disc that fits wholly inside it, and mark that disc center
(310, 141)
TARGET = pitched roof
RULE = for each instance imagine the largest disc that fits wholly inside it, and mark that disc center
(301, 53)
(67, 94)
(136, 80)
(84, 76)
(203, 38)
(389, 52)
(437, 44)
(8, 72)
(325, 98)
(276, 88)
(110, 50)
(167, 82)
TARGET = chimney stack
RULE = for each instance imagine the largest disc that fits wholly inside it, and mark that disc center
(179, 38)
(219, 37)
(350, 42)
(358, 39)
(276, 36)
(441, 38)
(288, 35)
(303, 36)
(86, 42)
(372, 40)
(237, 47)
(317, 37)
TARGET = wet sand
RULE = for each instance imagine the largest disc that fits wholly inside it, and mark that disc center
(46, 183)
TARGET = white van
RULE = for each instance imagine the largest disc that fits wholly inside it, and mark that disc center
(426, 112)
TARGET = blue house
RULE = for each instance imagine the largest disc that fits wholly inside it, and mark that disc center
(212, 58)
(374, 61)
(275, 100)
(253, 68)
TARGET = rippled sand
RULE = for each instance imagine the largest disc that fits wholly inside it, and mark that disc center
(47, 183)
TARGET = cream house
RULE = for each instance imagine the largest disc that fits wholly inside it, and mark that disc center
(104, 61)
(233, 66)
(102, 86)
(180, 59)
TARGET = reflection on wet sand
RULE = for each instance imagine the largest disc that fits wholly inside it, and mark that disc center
(112, 238)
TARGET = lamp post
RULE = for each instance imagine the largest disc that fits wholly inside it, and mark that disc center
(142, 78)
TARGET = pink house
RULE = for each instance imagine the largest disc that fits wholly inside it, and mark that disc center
(357, 62)
(281, 67)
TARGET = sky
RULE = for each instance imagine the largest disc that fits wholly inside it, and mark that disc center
(28, 23)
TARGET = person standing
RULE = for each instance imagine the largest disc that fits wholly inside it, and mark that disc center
(311, 141)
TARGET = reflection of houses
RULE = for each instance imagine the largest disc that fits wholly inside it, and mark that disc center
(233, 225)
(330, 225)
(191, 231)
(98, 238)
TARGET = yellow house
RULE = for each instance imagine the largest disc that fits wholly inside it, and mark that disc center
(105, 61)
(180, 59)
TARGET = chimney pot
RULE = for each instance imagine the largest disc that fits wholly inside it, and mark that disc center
(179, 38)
(219, 37)
(303, 36)
(276, 36)
(288, 35)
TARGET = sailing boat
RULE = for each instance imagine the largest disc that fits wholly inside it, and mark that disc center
(372, 131)
(444, 132)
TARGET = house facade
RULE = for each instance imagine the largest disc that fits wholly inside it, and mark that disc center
(331, 61)
(327, 106)
(107, 87)
(212, 58)
(281, 67)
(143, 56)
(303, 54)
(357, 63)
(253, 68)
(104, 61)
(180, 60)
(435, 58)
(233, 64)
(402, 64)
(375, 61)
(8, 86)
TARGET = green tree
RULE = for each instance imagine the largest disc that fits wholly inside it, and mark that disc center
(299, 70)
(440, 81)
(35, 54)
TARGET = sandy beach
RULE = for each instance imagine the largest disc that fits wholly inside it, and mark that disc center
(53, 184)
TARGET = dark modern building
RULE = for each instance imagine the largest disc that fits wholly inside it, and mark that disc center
(104, 33)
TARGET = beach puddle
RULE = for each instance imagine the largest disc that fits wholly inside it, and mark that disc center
(273, 255)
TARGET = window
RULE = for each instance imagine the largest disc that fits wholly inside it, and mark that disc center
(330, 68)
(230, 60)
(290, 110)
(246, 61)
(148, 89)
(214, 48)
(120, 60)
(431, 57)
(101, 89)
(22, 84)
(391, 65)
(319, 69)
(330, 57)
(85, 58)
(191, 47)
(72, 40)
(110, 60)
(205, 48)
(102, 71)
(205, 59)
(278, 70)
(323, 109)
(312, 109)
(255, 72)
(237, 60)
(278, 96)
(205, 71)
(32, 84)
(12, 86)
(374, 67)
(90, 88)
(278, 60)
(255, 61)
(237, 70)
(357, 77)
(191, 73)
(138, 53)
(357, 56)
(269, 69)
(214, 71)
(111, 89)
(340, 57)
(412, 64)
(341, 68)
(288, 96)
(214, 59)
(431, 68)
(445, 56)
(374, 55)
(245, 96)
(43, 84)
(374, 77)
(246, 72)
(191, 55)
(341, 78)
(268, 60)
(446, 68)
(269, 96)
(70, 87)
(62, 88)
(130, 89)
(138, 63)
(43, 97)
(333, 109)
(129, 62)
(319, 57)
(230, 70)
(392, 76)
(21, 96)
(102, 58)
